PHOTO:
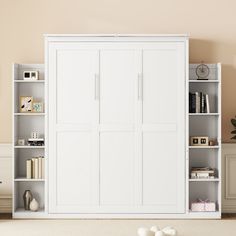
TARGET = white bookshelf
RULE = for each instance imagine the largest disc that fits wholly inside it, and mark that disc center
(205, 124)
(23, 125)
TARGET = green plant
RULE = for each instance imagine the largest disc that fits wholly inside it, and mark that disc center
(233, 121)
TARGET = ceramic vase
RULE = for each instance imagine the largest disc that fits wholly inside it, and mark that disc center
(34, 205)
(27, 197)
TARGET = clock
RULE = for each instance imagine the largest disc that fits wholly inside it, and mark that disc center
(202, 72)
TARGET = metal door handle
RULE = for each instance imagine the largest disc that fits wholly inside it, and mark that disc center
(96, 87)
(140, 86)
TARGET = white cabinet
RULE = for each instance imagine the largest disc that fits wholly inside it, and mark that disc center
(116, 124)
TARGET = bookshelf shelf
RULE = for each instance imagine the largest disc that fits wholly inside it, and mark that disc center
(29, 114)
(23, 179)
(204, 180)
(204, 147)
(29, 147)
(205, 95)
(204, 81)
(204, 114)
(29, 81)
(23, 125)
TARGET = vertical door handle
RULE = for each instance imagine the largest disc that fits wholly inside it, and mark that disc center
(140, 86)
(96, 87)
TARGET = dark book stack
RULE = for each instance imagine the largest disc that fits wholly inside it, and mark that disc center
(199, 103)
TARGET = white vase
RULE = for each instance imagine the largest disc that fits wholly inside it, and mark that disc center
(34, 205)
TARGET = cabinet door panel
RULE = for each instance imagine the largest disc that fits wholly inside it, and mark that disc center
(116, 168)
(160, 86)
(74, 165)
(118, 71)
(160, 168)
(163, 127)
(76, 71)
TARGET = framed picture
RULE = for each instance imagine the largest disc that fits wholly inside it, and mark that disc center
(37, 107)
(30, 75)
(26, 104)
(199, 141)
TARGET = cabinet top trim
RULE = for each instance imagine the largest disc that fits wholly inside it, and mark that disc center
(94, 37)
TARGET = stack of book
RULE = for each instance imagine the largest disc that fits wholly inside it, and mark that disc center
(35, 168)
(202, 173)
(199, 103)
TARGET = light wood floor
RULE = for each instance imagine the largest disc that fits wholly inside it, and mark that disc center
(9, 227)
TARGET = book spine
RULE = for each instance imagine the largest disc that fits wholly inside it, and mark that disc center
(207, 104)
(197, 102)
(190, 103)
(33, 168)
(36, 163)
(200, 102)
(43, 167)
(40, 168)
(29, 169)
(194, 103)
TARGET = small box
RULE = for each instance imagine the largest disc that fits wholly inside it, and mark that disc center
(200, 206)
(197, 206)
(210, 206)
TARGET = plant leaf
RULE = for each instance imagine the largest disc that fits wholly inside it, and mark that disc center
(233, 121)
(233, 132)
(234, 137)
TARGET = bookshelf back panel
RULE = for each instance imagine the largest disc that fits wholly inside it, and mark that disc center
(207, 88)
(203, 191)
(36, 188)
(35, 90)
(204, 126)
(27, 124)
(29, 67)
(21, 156)
(213, 72)
(203, 158)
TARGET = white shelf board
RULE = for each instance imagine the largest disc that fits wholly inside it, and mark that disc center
(22, 213)
(29, 147)
(204, 180)
(29, 81)
(28, 180)
(29, 114)
(204, 114)
(206, 215)
(203, 81)
(203, 147)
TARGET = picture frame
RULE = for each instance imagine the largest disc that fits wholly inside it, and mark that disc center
(26, 104)
(31, 75)
(199, 141)
(37, 107)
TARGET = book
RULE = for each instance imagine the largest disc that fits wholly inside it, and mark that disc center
(29, 169)
(36, 163)
(43, 168)
(207, 104)
(33, 168)
(40, 167)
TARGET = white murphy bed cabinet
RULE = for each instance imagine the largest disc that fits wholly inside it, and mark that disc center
(116, 134)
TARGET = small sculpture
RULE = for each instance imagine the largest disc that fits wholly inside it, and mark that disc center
(34, 205)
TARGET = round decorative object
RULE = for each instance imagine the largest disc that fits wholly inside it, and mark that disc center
(34, 205)
(202, 71)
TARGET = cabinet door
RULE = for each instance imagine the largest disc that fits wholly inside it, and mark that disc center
(118, 99)
(73, 106)
(163, 128)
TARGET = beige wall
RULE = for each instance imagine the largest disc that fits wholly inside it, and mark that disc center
(210, 23)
